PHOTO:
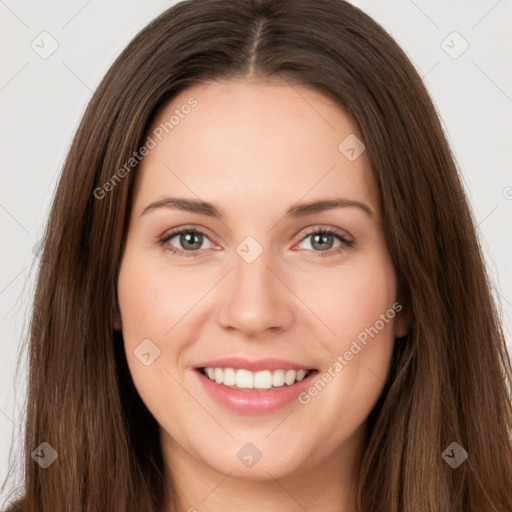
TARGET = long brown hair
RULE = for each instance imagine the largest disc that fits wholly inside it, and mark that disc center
(451, 375)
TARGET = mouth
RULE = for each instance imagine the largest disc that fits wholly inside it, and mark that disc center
(242, 379)
(248, 386)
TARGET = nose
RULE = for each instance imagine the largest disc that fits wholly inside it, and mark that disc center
(256, 298)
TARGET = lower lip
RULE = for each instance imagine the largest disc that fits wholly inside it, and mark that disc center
(254, 402)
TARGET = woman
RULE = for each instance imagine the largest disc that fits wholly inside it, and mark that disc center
(327, 341)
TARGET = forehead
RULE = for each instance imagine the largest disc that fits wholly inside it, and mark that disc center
(254, 143)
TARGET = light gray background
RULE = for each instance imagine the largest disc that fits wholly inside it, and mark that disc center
(42, 100)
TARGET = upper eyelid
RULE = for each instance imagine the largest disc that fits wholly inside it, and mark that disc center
(342, 234)
(178, 231)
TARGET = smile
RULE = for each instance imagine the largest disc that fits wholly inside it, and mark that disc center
(246, 379)
(253, 387)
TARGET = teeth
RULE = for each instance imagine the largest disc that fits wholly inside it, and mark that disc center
(263, 380)
(229, 377)
(244, 379)
(300, 375)
(278, 378)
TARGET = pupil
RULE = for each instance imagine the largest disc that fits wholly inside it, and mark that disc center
(188, 238)
(323, 239)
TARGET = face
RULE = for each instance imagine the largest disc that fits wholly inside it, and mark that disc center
(301, 304)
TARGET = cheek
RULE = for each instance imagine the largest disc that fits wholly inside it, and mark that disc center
(153, 297)
(158, 303)
(145, 301)
(359, 310)
(151, 304)
(368, 295)
(350, 299)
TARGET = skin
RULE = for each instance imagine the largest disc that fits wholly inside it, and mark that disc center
(254, 149)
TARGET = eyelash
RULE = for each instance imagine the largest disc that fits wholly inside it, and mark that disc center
(345, 242)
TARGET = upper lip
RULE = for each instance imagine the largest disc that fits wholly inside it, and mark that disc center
(254, 365)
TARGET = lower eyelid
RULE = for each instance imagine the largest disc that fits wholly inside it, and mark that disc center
(344, 242)
(338, 237)
(167, 238)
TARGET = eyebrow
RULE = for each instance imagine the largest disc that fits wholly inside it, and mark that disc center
(295, 211)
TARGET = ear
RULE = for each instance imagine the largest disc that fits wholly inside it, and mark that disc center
(116, 320)
(402, 325)
(402, 322)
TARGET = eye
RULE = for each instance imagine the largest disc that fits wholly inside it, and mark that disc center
(323, 239)
(190, 239)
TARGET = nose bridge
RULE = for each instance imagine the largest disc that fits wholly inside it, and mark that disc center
(255, 298)
(251, 273)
